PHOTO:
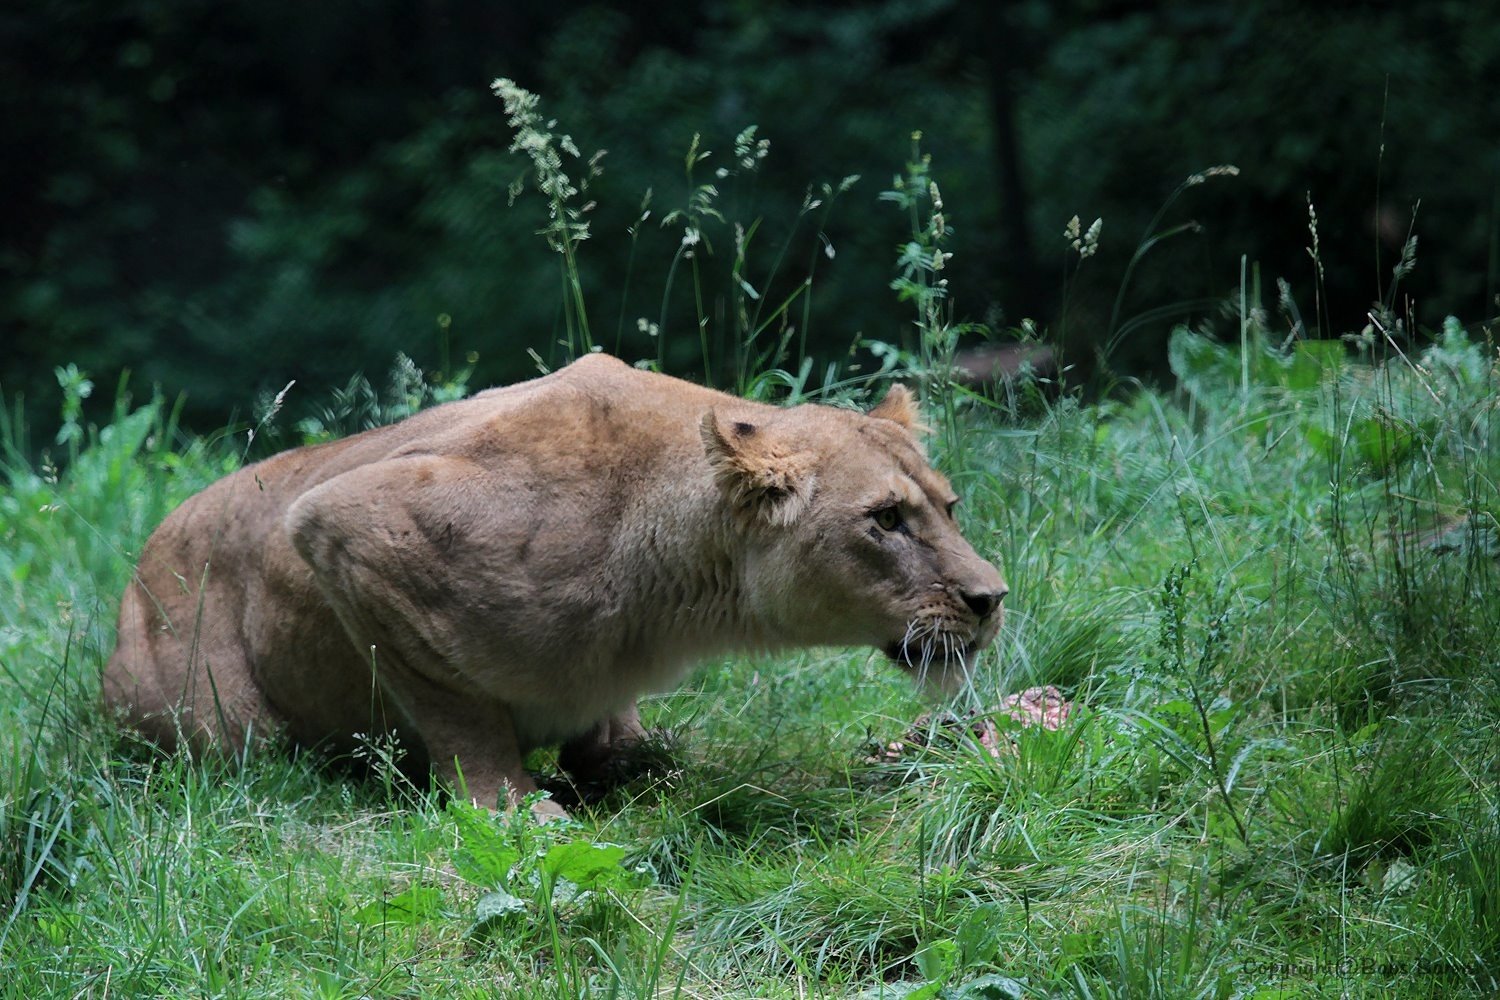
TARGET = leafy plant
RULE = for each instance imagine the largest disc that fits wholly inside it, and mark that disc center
(922, 281)
(358, 406)
(532, 875)
(948, 965)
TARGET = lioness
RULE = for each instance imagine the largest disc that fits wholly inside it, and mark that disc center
(514, 569)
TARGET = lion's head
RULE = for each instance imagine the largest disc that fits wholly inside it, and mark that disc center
(855, 541)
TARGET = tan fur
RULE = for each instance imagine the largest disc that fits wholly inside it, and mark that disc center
(514, 569)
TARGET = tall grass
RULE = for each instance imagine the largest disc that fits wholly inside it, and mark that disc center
(1268, 592)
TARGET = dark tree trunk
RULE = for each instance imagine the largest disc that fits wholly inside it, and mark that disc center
(1003, 51)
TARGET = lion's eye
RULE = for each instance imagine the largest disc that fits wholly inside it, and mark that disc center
(952, 504)
(888, 518)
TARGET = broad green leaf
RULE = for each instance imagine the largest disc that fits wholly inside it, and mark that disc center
(1382, 442)
(1312, 360)
(978, 937)
(1176, 710)
(938, 960)
(1323, 440)
(587, 865)
(991, 987)
(1077, 945)
(485, 858)
(1222, 719)
(497, 904)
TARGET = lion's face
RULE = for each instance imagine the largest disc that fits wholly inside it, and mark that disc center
(858, 541)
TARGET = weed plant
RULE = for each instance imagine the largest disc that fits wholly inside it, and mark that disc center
(1269, 592)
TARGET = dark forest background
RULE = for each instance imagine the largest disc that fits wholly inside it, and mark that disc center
(220, 197)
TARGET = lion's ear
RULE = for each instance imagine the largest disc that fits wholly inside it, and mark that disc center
(899, 406)
(757, 474)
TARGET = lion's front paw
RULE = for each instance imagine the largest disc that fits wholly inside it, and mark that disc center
(547, 811)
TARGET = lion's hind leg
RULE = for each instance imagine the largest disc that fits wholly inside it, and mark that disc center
(179, 686)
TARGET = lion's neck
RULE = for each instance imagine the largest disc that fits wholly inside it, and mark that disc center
(691, 595)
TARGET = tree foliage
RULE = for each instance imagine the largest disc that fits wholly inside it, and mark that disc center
(225, 197)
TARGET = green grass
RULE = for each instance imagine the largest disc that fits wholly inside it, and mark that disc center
(1270, 593)
(1280, 779)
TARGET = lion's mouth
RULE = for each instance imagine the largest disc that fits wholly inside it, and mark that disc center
(940, 653)
(936, 654)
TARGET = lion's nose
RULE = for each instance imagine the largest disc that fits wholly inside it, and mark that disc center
(983, 603)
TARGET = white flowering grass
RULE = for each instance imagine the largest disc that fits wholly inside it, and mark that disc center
(552, 156)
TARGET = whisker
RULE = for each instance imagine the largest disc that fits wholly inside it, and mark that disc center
(906, 640)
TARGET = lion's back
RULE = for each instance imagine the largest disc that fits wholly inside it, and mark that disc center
(224, 612)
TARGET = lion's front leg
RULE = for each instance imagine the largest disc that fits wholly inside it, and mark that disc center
(474, 751)
(399, 589)
(603, 755)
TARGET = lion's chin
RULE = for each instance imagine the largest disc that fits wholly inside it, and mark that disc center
(936, 666)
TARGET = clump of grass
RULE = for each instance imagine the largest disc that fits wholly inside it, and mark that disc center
(1473, 861)
(1175, 945)
(844, 910)
(1378, 794)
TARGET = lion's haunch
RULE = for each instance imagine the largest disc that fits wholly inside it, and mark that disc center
(514, 569)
